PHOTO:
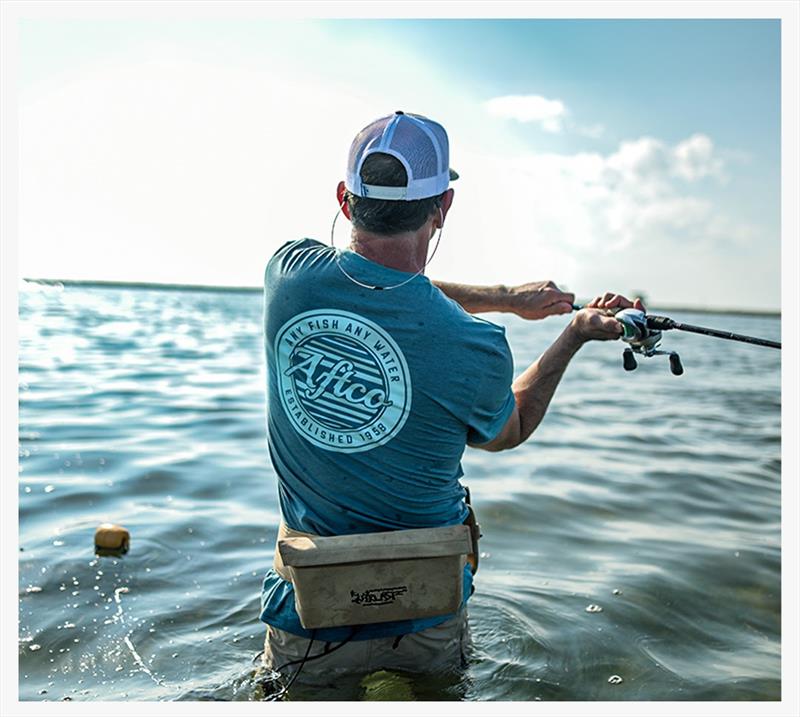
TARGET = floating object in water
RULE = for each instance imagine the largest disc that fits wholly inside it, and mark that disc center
(593, 608)
(616, 591)
(111, 539)
(614, 680)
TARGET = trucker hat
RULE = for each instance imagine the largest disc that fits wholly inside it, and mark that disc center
(419, 143)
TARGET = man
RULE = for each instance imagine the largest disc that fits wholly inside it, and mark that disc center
(378, 378)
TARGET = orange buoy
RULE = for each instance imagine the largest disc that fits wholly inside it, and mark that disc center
(111, 539)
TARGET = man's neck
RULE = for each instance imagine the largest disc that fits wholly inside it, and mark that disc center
(405, 252)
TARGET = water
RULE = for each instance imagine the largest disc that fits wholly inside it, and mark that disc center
(655, 498)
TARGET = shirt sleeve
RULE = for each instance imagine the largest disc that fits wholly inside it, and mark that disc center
(284, 252)
(494, 401)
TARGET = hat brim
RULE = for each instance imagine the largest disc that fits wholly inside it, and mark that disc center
(453, 174)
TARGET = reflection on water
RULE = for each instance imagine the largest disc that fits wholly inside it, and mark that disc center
(636, 536)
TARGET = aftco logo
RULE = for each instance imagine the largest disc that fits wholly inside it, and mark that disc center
(343, 380)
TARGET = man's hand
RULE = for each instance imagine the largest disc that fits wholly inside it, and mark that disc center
(595, 323)
(539, 299)
(610, 300)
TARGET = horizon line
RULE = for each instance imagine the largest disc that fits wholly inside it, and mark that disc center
(163, 286)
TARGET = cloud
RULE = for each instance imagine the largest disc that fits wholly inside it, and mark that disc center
(549, 114)
(649, 167)
(694, 159)
(642, 189)
(637, 216)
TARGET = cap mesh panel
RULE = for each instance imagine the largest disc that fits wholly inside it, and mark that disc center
(362, 139)
(441, 135)
(413, 144)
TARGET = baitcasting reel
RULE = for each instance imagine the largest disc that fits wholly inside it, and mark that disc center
(643, 333)
(643, 340)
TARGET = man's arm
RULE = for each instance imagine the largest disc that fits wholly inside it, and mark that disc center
(534, 389)
(530, 301)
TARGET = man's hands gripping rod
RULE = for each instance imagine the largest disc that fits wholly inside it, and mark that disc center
(539, 299)
(535, 387)
(595, 320)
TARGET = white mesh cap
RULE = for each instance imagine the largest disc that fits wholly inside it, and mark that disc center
(419, 143)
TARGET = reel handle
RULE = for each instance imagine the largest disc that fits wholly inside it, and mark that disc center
(628, 360)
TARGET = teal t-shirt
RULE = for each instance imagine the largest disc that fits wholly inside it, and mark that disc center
(372, 398)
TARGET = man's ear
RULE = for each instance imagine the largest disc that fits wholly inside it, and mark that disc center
(447, 201)
(340, 190)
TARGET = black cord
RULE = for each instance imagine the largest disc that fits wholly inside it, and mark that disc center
(320, 654)
(302, 662)
(278, 695)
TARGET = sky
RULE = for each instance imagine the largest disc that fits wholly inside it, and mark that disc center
(622, 155)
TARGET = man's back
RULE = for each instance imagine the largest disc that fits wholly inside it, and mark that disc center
(374, 394)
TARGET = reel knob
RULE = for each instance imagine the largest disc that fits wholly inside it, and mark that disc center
(675, 364)
(628, 360)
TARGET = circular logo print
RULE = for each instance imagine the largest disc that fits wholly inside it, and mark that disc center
(343, 381)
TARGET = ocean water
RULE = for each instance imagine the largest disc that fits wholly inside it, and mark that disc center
(652, 497)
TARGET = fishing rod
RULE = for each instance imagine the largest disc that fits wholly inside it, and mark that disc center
(643, 334)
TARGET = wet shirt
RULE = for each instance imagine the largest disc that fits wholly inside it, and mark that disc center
(372, 398)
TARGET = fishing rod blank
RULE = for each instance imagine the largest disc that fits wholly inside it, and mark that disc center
(663, 323)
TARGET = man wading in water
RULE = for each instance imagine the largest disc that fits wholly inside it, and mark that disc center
(378, 378)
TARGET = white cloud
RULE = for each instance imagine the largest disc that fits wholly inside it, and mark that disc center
(637, 191)
(630, 218)
(549, 114)
(649, 163)
(694, 159)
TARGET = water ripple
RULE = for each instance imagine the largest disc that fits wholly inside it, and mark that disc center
(655, 498)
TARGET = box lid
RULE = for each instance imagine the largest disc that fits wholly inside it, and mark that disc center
(365, 547)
